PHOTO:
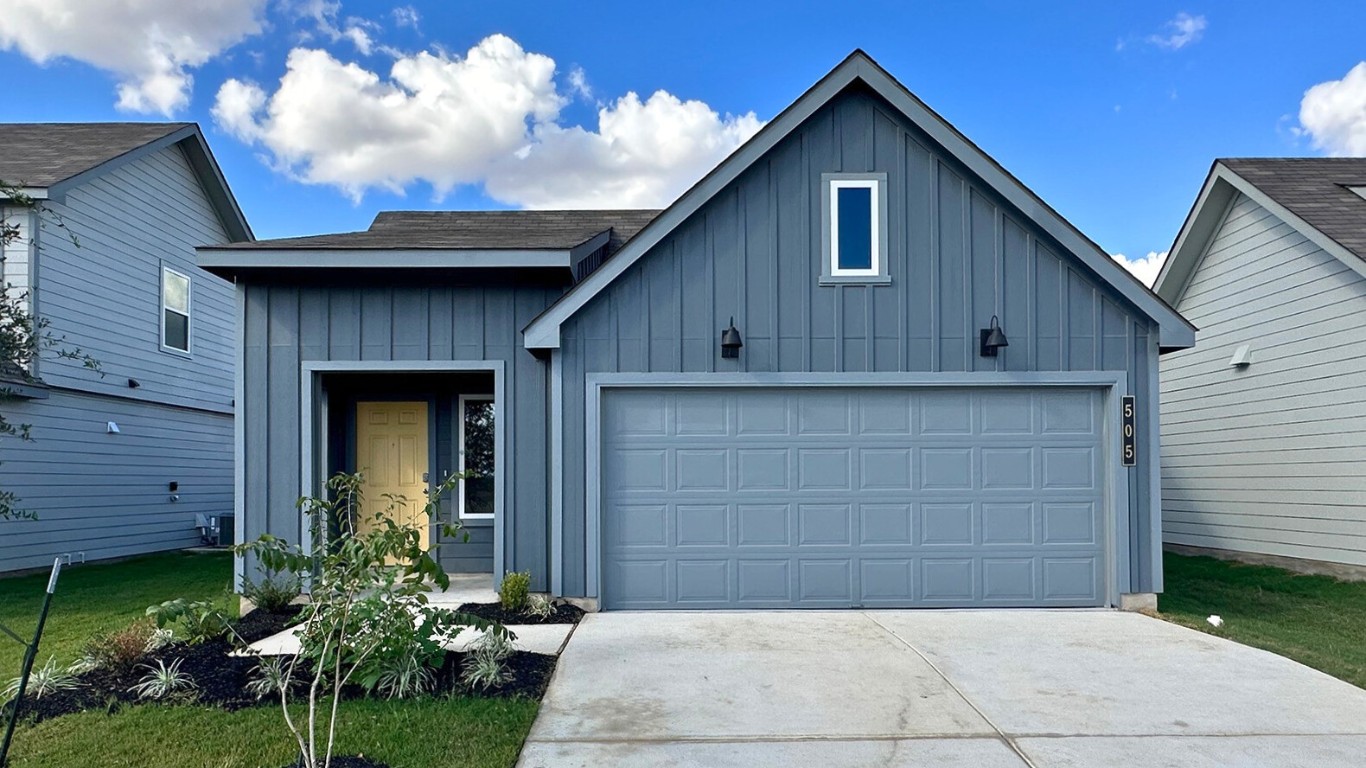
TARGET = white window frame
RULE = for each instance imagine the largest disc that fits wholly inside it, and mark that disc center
(875, 195)
(460, 449)
(188, 313)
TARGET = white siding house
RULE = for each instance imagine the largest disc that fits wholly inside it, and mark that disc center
(121, 208)
(1264, 422)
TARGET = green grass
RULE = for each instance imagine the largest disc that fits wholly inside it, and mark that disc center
(92, 599)
(1315, 620)
(97, 598)
(413, 734)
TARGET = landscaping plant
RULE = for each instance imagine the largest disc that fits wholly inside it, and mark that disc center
(46, 679)
(368, 614)
(163, 681)
(197, 621)
(121, 649)
(541, 606)
(273, 593)
(515, 590)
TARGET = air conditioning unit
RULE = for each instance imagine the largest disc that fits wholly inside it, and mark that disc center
(216, 530)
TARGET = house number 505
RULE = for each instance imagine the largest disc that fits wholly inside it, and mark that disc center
(1129, 448)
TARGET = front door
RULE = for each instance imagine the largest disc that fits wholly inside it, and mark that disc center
(392, 457)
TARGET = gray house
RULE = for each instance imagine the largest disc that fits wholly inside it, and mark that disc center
(122, 463)
(1264, 425)
(790, 389)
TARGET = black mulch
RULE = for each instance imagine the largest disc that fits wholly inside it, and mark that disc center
(348, 761)
(564, 614)
(221, 679)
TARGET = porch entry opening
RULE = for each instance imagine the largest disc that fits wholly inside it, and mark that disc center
(407, 433)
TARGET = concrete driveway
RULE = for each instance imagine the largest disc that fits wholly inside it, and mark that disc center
(910, 688)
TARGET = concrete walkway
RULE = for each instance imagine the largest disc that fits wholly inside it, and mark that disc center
(950, 688)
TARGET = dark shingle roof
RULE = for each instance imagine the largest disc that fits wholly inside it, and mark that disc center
(1317, 189)
(474, 230)
(43, 154)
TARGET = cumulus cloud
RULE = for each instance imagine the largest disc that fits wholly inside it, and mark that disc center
(1182, 30)
(1333, 114)
(150, 46)
(1145, 268)
(491, 117)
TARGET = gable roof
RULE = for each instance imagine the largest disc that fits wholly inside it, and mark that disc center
(1175, 331)
(1312, 194)
(442, 239)
(46, 159)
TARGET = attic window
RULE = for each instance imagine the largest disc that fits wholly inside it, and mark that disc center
(854, 239)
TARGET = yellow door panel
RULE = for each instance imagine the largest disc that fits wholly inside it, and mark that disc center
(391, 448)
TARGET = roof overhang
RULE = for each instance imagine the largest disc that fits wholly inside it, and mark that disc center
(1221, 188)
(1175, 331)
(231, 262)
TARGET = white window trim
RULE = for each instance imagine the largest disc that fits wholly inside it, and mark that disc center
(189, 313)
(875, 187)
(460, 446)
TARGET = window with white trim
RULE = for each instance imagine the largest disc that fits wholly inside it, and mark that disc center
(477, 460)
(855, 228)
(175, 311)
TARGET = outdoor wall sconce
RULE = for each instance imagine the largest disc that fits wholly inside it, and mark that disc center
(133, 384)
(993, 338)
(730, 341)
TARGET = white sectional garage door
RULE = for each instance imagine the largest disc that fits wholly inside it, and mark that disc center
(873, 497)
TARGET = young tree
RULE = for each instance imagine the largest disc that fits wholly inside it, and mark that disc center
(23, 336)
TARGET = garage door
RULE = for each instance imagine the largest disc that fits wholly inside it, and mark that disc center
(823, 498)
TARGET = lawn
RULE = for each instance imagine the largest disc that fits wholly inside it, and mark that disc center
(97, 598)
(1315, 620)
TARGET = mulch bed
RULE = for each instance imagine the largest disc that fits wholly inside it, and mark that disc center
(564, 614)
(348, 761)
(221, 679)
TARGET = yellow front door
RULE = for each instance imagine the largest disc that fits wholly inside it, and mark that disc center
(391, 455)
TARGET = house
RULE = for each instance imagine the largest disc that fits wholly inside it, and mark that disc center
(858, 364)
(1264, 424)
(124, 460)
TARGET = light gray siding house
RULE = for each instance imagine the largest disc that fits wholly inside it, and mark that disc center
(862, 446)
(1264, 424)
(107, 258)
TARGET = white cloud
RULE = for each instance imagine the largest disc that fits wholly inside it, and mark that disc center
(324, 15)
(406, 16)
(491, 118)
(149, 45)
(1145, 268)
(1333, 114)
(1182, 30)
(578, 83)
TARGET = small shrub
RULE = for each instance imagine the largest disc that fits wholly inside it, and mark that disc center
(484, 669)
(46, 679)
(404, 677)
(273, 593)
(541, 606)
(270, 678)
(514, 590)
(496, 645)
(198, 622)
(163, 681)
(121, 649)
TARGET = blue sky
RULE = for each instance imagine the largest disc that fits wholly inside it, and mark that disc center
(1112, 112)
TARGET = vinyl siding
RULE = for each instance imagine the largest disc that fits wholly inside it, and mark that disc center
(1268, 459)
(103, 291)
(107, 495)
(15, 258)
(957, 255)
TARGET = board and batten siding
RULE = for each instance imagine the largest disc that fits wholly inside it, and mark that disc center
(957, 254)
(102, 292)
(107, 495)
(288, 324)
(1268, 459)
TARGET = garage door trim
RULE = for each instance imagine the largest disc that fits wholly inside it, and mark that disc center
(1112, 384)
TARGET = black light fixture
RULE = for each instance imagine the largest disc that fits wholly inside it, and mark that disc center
(730, 341)
(993, 338)
(133, 384)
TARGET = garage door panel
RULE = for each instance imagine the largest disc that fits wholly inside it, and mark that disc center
(926, 498)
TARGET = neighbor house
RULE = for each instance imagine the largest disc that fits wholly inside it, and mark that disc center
(1264, 425)
(131, 457)
(858, 364)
